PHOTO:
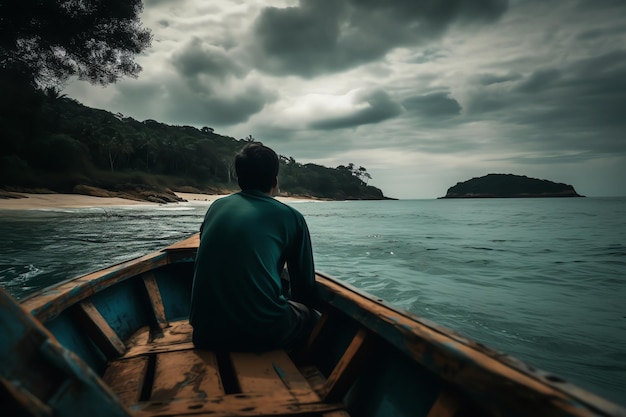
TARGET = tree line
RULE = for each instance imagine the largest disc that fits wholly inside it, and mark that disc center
(54, 142)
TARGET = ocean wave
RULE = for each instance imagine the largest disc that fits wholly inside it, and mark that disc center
(529, 278)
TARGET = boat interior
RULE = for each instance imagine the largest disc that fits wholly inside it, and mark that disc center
(118, 342)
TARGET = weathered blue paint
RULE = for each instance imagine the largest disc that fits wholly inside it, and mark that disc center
(125, 307)
(46, 378)
(82, 393)
(70, 335)
(175, 283)
(393, 385)
(97, 282)
(279, 371)
(334, 340)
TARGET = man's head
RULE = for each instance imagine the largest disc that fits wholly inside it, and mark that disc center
(257, 167)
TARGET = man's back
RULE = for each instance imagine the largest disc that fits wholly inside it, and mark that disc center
(237, 301)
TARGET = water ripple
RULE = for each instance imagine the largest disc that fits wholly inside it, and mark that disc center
(543, 280)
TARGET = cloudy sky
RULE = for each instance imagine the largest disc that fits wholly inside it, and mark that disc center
(422, 93)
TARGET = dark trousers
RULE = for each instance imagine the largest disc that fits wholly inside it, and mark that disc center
(302, 319)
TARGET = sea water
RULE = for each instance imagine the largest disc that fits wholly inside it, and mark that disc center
(543, 280)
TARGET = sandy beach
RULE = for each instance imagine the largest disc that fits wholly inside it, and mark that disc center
(207, 198)
(52, 201)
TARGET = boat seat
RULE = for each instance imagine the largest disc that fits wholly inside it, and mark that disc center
(163, 373)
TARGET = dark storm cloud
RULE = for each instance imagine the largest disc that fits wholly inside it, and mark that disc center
(216, 110)
(380, 106)
(579, 107)
(463, 85)
(589, 92)
(320, 36)
(155, 2)
(595, 4)
(429, 55)
(200, 94)
(489, 79)
(196, 58)
(540, 80)
(436, 105)
(576, 158)
(602, 33)
(178, 103)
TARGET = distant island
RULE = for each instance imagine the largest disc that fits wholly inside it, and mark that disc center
(509, 186)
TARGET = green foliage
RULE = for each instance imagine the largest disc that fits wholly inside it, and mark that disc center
(45, 42)
(15, 171)
(508, 185)
(57, 143)
(60, 153)
(318, 181)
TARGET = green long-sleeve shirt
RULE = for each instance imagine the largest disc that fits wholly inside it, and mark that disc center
(245, 241)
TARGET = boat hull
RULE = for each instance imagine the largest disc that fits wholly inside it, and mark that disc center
(128, 323)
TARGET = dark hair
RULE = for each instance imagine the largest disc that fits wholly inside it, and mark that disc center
(257, 167)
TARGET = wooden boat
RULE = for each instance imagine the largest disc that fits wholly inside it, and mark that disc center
(117, 342)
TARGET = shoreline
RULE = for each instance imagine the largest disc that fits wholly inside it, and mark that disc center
(32, 201)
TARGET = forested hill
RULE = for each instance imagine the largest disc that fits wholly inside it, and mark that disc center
(53, 142)
(509, 186)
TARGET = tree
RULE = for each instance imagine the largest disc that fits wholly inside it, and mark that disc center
(117, 146)
(44, 42)
(362, 173)
(229, 167)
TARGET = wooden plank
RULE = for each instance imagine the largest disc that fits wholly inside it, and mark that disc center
(177, 332)
(186, 374)
(21, 401)
(243, 405)
(446, 405)
(51, 301)
(303, 355)
(126, 378)
(99, 330)
(191, 242)
(273, 372)
(346, 370)
(175, 337)
(155, 299)
(317, 381)
(314, 376)
(319, 326)
(154, 349)
(492, 379)
(43, 371)
(140, 338)
(93, 396)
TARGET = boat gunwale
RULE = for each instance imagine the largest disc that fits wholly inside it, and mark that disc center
(47, 303)
(409, 333)
(425, 342)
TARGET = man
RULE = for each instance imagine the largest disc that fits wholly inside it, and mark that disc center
(245, 241)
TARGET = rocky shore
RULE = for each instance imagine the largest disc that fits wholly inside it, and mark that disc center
(133, 192)
(85, 196)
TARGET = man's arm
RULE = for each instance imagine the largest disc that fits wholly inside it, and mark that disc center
(301, 267)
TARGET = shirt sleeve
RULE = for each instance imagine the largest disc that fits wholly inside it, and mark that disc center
(301, 267)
